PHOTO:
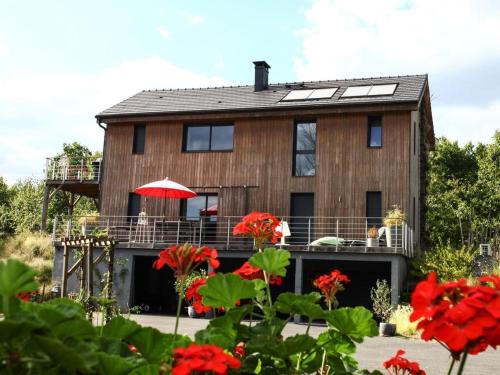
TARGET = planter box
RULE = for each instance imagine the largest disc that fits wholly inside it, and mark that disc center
(372, 242)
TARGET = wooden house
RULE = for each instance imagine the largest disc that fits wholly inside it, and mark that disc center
(329, 158)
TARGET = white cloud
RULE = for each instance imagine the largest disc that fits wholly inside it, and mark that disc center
(456, 42)
(164, 32)
(40, 111)
(195, 19)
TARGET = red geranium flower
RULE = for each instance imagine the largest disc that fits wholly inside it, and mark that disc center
(460, 316)
(249, 272)
(261, 226)
(201, 359)
(331, 284)
(398, 365)
(24, 296)
(195, 298)
(239, 350)
(183, 259)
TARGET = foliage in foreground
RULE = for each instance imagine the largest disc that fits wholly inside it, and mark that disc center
(55, 337)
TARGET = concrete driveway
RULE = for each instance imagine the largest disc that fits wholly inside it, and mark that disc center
(433, 358)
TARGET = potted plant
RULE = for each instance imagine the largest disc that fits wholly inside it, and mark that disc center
(372, 240)
(393, 222)
(381, 298)
(89, 221)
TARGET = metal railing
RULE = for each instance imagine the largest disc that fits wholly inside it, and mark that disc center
(73, 169)
(305, 233)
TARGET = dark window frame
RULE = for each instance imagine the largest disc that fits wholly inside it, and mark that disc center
(138, 149)
(204, 125)
(369, 130)
(303, 152)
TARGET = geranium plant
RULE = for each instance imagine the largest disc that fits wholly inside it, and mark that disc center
(463, 318)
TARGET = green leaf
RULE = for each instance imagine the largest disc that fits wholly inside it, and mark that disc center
(335, 342)
(306, 304)
(224, 290)
(295, 344)
(147, 370)
(66, 323)
(115, 365)
(272, 261)
(73, 359)
(17, 330)
(154, 345)
(120, 328)
(16, 277)
(355, 322)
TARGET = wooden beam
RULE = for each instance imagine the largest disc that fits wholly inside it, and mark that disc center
(65, 273)
(74, 267)
(90, 269)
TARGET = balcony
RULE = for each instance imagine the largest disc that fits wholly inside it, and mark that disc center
(75, 175)
(320, 234)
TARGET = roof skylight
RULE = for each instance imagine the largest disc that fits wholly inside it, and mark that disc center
(326, 93)
(374, 90)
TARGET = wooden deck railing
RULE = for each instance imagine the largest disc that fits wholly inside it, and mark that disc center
(306, 233)
(73, 169)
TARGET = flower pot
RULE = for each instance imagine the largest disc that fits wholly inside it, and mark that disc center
(372, 242)
(394, 236)
(387, 329)
(210, 314)
(192, 312)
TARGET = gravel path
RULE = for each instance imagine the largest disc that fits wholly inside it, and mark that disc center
(433, 358)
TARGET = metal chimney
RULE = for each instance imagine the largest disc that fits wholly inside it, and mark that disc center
(261, 75)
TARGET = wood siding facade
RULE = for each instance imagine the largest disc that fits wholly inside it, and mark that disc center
(257, 174)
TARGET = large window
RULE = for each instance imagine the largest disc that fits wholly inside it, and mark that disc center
(375, 131)
(208, 137)
(134, 206)
(204, 205)
(139, 139)
(304, 150)
(373, 207)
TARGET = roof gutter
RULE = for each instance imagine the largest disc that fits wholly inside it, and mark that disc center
(98, 120)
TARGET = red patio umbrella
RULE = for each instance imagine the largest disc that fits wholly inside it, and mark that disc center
(212, 210)
(165, 189)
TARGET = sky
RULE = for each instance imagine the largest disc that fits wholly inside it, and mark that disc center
(62, 62)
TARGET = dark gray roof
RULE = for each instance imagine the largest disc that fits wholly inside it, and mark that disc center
(234, 98)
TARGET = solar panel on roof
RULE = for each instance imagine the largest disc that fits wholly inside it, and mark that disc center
(322, 93)
(382, 89)
(356, 91)
(310, 94)
(353, 91)
(298, 95)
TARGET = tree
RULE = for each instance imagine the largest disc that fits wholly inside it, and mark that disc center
(463, 200)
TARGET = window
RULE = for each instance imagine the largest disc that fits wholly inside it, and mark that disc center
(304, 151)
(134, 205)
(204, 205)
(375, 131)
(139, 139)
(373, 207)
(301, 213)
(208, 137)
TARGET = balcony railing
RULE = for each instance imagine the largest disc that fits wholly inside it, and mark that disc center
(67, 169)
(306, 233)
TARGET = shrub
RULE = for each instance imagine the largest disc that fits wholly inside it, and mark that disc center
(401, 317)
(447, 262)
(381, 298)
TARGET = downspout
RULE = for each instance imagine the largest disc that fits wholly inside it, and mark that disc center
(101, 169)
